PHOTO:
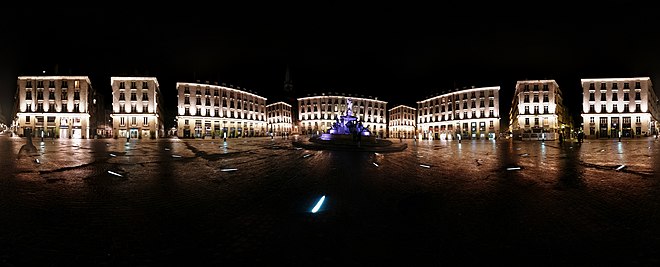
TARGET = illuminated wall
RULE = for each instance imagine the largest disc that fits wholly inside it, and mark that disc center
(619, 105)
(537, 111)
(472, 113)
(135, 107)
(401, 122)
(54, 106)
(279, 118)
(318, 113)
(208, 111)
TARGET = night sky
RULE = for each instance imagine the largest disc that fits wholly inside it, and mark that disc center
(401, 54)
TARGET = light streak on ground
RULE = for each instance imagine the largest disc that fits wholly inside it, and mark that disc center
(318, 205)
(114, 173)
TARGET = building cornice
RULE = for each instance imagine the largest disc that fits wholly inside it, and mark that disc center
(124, 79)
(219, 87)
(460, 92)
(279, 102)
(340, 96)
(85, 78)
(402, 106)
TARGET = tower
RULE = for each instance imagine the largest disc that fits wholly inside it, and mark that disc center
(288, 85)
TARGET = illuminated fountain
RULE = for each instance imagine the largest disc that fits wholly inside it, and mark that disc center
(347, 125)
(348, 133)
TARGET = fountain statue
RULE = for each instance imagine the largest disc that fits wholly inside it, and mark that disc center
(348, 133)
(348, 124)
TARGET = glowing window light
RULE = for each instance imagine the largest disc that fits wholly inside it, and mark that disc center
(318, 205)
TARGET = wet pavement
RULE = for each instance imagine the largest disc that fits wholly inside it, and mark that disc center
(248, 202)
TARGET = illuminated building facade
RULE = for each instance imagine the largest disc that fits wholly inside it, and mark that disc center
(136, 107)
(209, 111)
(402, 121)
(279, 118)
(55, 106)
(317, 113)
(626, 106)
(471, 113)
(537, 111)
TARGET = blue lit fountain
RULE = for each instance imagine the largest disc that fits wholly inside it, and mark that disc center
(347, 124)
(348, 133)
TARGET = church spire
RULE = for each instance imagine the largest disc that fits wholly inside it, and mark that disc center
(288, 85)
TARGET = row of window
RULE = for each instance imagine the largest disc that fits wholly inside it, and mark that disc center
(145, 85)
(615, 96)
(232, 114)
(450, 127)
(615, 108)
(122, 96)
(402, 116)
(536, 121)
(380, 112)
(51, 95)
(603, 86)
(278, 114)
(456, 106)
(217, 123)
(246, 105)
(491, 114)
(456, 97)
(145, 121)
(405, 123)
(134, 109)
(536, 110)
(536, 87)
(279, 120)
(51, 119)
(535, 98)
(358, 103)
(51, 84)
(326, 117)
(626, 120)
(52, 108)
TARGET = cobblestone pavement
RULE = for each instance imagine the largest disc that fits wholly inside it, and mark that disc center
(248, 202)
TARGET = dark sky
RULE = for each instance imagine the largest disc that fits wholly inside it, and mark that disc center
(402, 54)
